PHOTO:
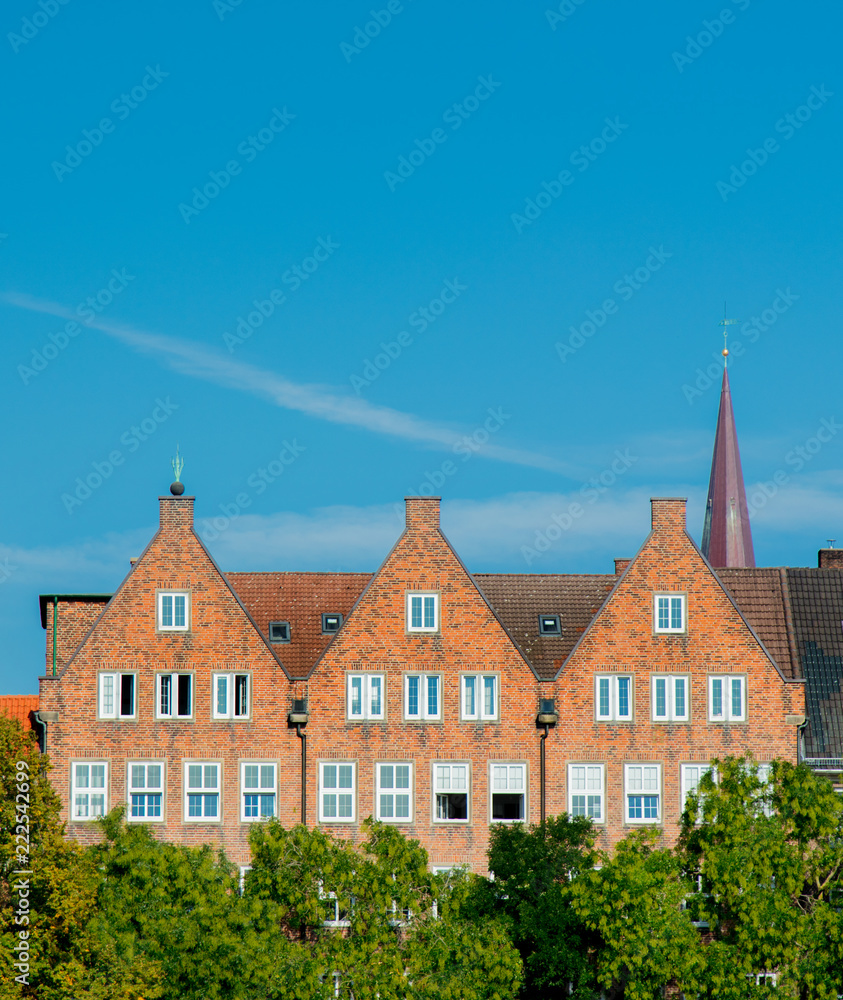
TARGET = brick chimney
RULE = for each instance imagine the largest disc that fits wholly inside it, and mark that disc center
(668, 513)
(830, 559)
(620, 565)
(422, 512)
(176, 513)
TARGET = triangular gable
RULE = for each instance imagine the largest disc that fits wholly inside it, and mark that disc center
(422, 559)
(175, 558)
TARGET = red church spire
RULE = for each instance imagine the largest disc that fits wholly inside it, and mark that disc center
(727, 539)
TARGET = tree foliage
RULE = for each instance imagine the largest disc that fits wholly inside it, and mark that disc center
(534, 868)
(768, 859)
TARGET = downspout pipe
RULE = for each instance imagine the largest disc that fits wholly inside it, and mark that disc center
(542, 772)
(546, 718)
(303, 737)
(55, 627)
(298, 717)
(43, 719)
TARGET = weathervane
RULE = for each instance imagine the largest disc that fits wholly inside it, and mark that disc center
(177, 487)
(726, 323)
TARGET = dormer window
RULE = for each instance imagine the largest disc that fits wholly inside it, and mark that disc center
(550, 625)
(422, 612)
(173, 611)
(331, 623)
(279, 632)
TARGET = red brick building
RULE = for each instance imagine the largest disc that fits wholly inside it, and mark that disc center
(422, 695)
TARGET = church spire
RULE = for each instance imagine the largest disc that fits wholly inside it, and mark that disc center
(727, 539)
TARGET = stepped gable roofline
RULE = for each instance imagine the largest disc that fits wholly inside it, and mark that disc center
(424, 512)
(171, 516)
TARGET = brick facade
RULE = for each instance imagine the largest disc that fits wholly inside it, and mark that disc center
(460, 639)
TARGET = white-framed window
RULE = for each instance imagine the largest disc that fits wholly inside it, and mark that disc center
(669, 613)
(231, 696)
(764, 773)
(422, 612)
(479, 696)
(89, 789)
(258, 788)
(690, 776)
(394, 791)
(244, 870)
(669, 697)
(451, 791)
(763, 978)
(586, 795)
(422, 697)
(365, 697)
(727, 698)
(117, 695)
(508, 793)
(613, 697)
(337, 914)
(642, 790)
(201, 791)
(173, 611)
(174, 696)
(145, 791)
(337, 791)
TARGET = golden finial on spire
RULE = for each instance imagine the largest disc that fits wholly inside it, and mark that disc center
(726, 323)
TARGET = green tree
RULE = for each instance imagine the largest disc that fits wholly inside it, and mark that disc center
(59, 880)
(372, 921)
(634, 902)
(767, 852)
(534, 868)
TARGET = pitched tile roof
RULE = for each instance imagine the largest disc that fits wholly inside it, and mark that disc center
(761, 595)
(300, 599)
(20, 707)
(519, 599)
(817, 600)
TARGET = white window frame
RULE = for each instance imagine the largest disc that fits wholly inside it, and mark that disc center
(726, 697)
(515, 775)
(335, 790)
(391, 790)
(260, 790)
(370, 711)
(169, 680)
(115, 679)
(145, 789)
(613, 714)
(685, 779)
(244, 870)
(645, 791)
(79, 788)
(480, 712)
(437, 790)
(160, 598)
(671, 597)
(671, 713)
(231, 680)
(591, 772)
(341, 918)
(206, 790)
(424, 681)
(421, 595)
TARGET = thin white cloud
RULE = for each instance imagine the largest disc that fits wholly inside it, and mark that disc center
(322, 402)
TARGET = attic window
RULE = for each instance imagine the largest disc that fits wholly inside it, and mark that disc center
(279, 631)
(331, 623)
(550, 625)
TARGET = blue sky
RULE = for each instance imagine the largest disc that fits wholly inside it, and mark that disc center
(480, 250)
